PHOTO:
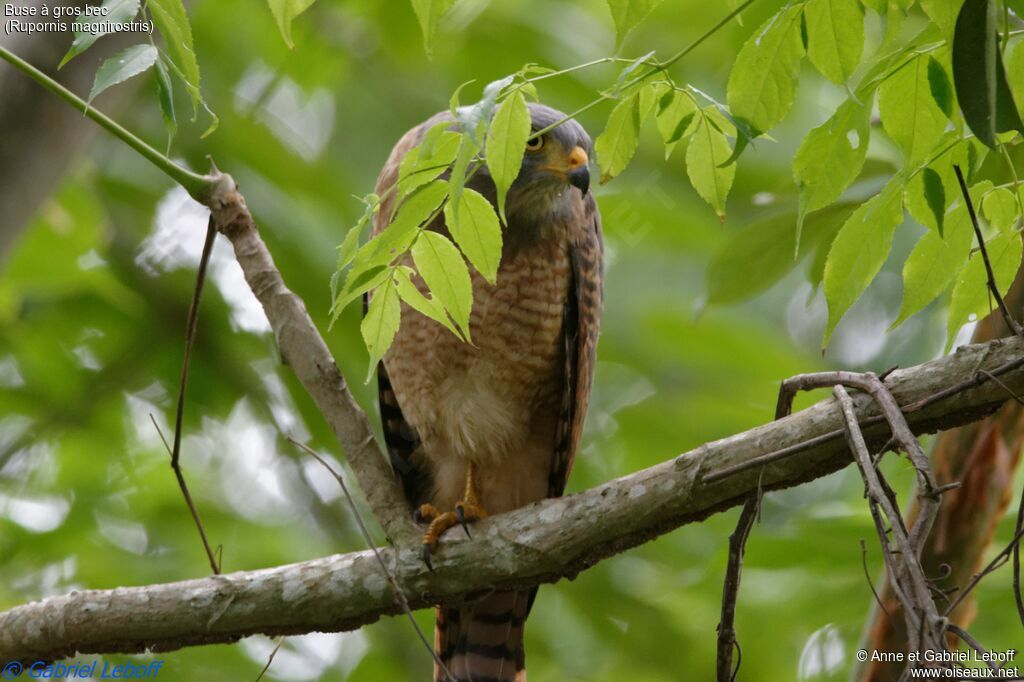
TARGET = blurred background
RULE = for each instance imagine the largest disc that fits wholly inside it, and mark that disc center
(700, 326)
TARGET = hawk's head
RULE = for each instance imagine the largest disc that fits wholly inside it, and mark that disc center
(555, 166)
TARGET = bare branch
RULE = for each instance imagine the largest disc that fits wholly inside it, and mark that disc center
(306, 353)
(726, 630)
(179, 413)
(540, 543)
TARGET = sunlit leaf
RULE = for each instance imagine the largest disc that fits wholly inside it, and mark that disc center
(909, 113)
(1015, 74)
(441, 266)
(971, 296)
(764, 77)
(932, 266)
(506, 144)
(627, 14)
(429, 159)
(127, 63)
(381, 322)
(830, 158)
(383, 249)
(708, 150)
(98, 25)
(675, 114)
(978, 74)
(930, 192)
(616, 145)
(475, 228)
(429, 14)
(414, 298)
(942, 12)
(859, 250)
(835, 37)
(350, 245)
(1001, 209)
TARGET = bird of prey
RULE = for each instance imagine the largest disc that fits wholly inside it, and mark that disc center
(485, 427)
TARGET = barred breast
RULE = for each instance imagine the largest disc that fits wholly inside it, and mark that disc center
(495, 401)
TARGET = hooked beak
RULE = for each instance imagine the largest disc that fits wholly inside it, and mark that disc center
(579, 174)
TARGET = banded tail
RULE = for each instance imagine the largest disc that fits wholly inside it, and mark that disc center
(482, 640)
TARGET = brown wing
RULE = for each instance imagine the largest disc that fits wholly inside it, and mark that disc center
(582, 324)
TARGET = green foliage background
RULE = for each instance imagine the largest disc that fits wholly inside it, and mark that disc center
(93, 301)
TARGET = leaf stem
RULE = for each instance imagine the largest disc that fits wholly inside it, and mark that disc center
(655, 69)
(197, 185)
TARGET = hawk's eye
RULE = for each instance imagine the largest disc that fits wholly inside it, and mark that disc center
(536, 143)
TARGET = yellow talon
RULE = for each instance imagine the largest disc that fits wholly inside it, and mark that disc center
(467, 510)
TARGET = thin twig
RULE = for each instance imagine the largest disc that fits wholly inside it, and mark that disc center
(399, 594)
(1011, 323)
(215, 562)
(270, 659)
(996, 563)
(730, 592)
(867, 574)
(190, 336)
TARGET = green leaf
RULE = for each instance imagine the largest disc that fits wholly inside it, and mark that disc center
(827, 161)
(441, 266)
(835, 37)
(978, 74)
(506, 144)
(414, 298)
(627, 14)
(284, 12)
(1015, 74)
(350, 245)
(909, 113)
(373, 256)
(943, 13)
(617, 144)
(930, 192)
(708, 151)
(1000, 209)
(127, 63)
(172, 21)
(934, 196)
(429, 159)
(429, 14)
(940, 86)
(357, 284)
(971, 295)
(932, 266)
(396, 238)
(759, 255)
(764, 77)
(860, 250)
(675, 114)
(381, 322)
(475, 228)
(165, 94)
(118, 11)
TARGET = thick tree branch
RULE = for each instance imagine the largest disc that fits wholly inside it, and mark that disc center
(304, 350)
(539, 543)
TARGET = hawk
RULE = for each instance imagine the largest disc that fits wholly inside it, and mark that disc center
(484, 428)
